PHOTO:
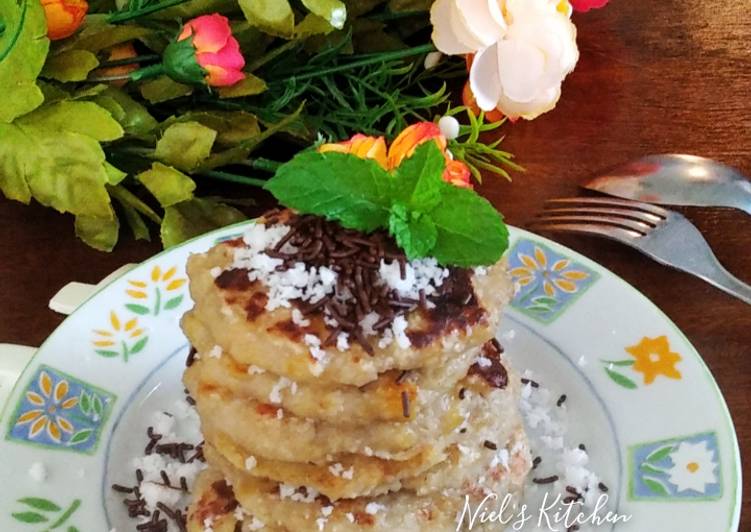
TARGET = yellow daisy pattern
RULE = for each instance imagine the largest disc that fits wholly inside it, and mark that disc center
(122, 338)
(160, 292)
(547, 281)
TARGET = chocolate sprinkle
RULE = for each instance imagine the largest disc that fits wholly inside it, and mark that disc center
(532, 383)
(405, 404)
(191, 356)
(582, 447)
(603, 487)
(536, 462)
(490, 445)
(545, 480)
(561, 400)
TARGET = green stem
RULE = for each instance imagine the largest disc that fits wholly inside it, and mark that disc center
(234, 178)
(147, 58)
(148, 72)
(126, 352)
(523, 301)
(72, 508)
(122, 16)
(158, 303)
(270, 56)
(365, 61)
(124, 195)
(262, 164)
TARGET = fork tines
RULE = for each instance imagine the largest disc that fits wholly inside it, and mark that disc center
(614, 218)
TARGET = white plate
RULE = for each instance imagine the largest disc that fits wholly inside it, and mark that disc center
(654, 422)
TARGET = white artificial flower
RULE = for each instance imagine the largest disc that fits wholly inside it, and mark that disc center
(523, 50)
(693, 467)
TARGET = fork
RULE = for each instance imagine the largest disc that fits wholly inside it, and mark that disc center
(664, 235)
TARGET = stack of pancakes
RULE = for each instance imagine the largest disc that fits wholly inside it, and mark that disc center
(306, 433)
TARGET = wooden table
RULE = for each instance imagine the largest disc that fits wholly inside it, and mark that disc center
(668, 76)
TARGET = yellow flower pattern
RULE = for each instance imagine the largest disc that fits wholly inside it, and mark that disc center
(547, 281)
(51, 402)
(123, 338)
(156, 294)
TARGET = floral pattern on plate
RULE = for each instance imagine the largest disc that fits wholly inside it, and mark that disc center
(158, 293)
(59, 411)
(120, 339)
(679, 468)
(650, 358)
(548, 282)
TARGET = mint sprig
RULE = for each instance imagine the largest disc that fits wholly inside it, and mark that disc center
(426, 216)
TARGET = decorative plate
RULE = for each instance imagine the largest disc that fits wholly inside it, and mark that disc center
(656, 428)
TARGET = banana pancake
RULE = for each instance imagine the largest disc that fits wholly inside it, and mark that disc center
(241, 314)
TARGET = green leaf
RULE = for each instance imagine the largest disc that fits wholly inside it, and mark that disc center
(139, 345)
(195, 217)
(162, 89)
(649, 468)
(231, 127)
(540, 309)
(135, 222)
(655, 486)
(107, 354)
(621, 380)
(97, 35)
(23, 48)
(85, 402)
(40, 504)
(185, 145)
(70, 65)
(337, 186)
(249, 86)
(174, 302)
(419, 178)
(29, 517)
(114, 175)
(271, 16)
(470, 231)
(660, 454)
(61, 169)
(97, 404)
(544, 300)
(72, 529)
(98, 232)
(414, 232)
(621, 363)
(86, 118)
(312, 25)
(137, 309)
(169, 186)
(132, 116)
(80, 437)
(333, 11)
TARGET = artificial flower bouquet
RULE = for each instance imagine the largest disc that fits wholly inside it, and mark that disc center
(119, 110)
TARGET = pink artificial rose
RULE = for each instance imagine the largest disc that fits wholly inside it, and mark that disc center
(217, 51)
(585, 5)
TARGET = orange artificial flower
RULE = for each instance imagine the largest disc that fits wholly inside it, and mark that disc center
(125, 50)
(654, 357)
(63, 17)
(404, 145)
(407, 141)
(361, 145)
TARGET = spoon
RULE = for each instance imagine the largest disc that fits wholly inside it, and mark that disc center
(674, 179)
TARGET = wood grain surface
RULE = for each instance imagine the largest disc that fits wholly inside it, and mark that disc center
(668, 76)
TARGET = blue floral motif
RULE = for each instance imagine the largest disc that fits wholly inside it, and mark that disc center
(548, 282)
(676, 469)
(59, 411)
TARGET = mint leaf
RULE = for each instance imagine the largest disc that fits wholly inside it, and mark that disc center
(356, 192)
(414, 232)
(419, 178)
(470, 231)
